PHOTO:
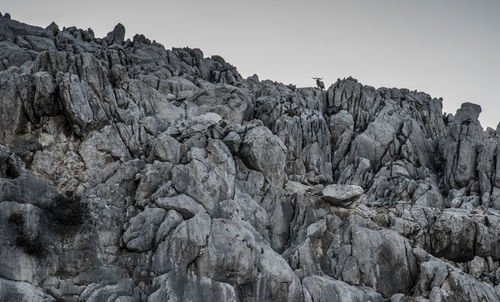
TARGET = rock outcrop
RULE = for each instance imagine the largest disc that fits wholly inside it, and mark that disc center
(129, 172)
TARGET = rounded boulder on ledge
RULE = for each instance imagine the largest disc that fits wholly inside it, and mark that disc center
(342, 195)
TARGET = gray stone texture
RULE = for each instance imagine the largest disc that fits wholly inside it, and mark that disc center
(129, 172)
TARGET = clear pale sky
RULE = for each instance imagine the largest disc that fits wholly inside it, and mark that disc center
(447, 48)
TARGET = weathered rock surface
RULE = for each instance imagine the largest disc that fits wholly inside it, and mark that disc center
(341, 195)
(129, 172)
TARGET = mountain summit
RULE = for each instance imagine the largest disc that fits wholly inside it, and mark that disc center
(129, 172)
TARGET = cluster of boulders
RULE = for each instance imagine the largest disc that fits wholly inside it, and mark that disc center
(129, 172)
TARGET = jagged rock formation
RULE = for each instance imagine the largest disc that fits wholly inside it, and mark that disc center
(133, 173)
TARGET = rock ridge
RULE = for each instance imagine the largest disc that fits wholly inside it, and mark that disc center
(131, 172)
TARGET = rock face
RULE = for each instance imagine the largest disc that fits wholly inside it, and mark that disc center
(129, 172)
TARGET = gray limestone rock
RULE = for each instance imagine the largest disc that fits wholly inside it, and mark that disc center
(458, 236)
(165, 148)
(141, 232)
(176, 286)
(266, 153)
(384, 259)
(117, 35)
(129, 172)
(182, 245)
(453, 284)
(464, 136)
(244, 208)
(182, 203)
(22, 291)
(27, 188)
(231, 253)
(171, 221)
(152, 179)
(322, 289)
(208, 178)
(341, 195)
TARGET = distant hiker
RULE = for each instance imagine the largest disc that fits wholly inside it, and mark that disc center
(320, 84)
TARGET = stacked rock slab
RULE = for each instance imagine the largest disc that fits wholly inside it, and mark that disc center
(129, 172)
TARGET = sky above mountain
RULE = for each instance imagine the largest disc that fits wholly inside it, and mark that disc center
(447, 48)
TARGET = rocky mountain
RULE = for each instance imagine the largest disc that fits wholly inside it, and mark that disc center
(129, 172)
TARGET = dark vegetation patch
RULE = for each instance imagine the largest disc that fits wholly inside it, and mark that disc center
(31, 246)
(290, 112)
(9, 168)
(66, 210)
(63, 217)
(16, 218)
(12, 171)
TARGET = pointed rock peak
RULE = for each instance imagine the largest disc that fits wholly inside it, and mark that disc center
(117, 36)
(468, 112)
(53, 27)
(254, 78)
(119, 28)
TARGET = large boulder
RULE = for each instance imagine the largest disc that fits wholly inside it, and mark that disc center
(341, 195)
(265, 152)
(141, 232)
